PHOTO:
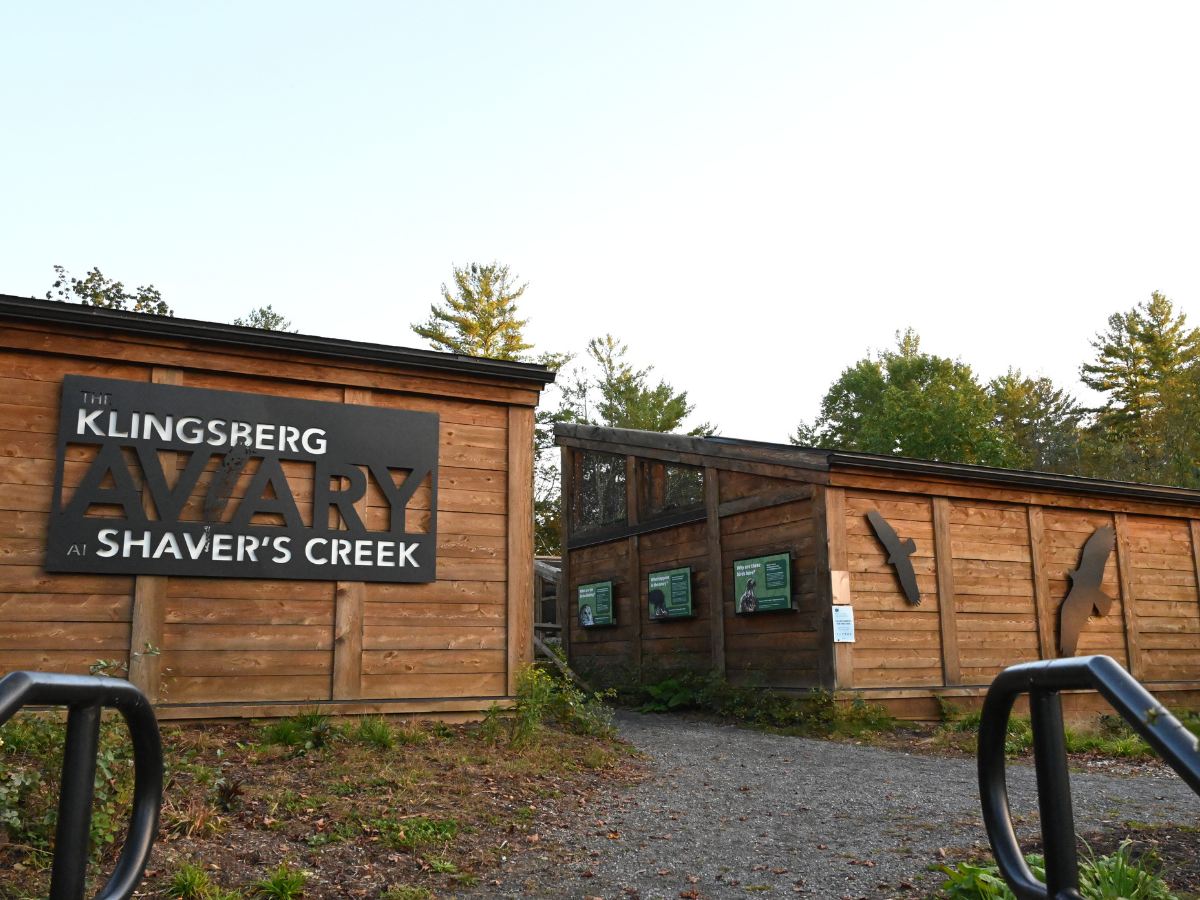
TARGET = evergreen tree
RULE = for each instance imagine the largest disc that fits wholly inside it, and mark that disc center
(480, 318)
(1135, 356)
(1037, 422)
(265, 318)
(96, 290)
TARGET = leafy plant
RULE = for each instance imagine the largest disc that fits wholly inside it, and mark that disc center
(1114, 877)
(404, 892)
(190, 882)
(283, 884)
(229, 793)
(375, 731)
(442, 866)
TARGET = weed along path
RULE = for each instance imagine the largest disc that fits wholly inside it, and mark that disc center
(729, 812)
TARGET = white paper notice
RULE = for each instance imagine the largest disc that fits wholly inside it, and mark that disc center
(843, 624)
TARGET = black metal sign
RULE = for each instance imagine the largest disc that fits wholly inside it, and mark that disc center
(224, 506)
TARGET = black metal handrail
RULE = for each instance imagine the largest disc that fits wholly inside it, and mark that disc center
(85, 696)
(1044, 682)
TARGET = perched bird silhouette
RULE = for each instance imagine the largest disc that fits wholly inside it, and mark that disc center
(1085, 593)
(898, 555)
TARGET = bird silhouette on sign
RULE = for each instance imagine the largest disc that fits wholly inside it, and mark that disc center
(899, 552)
(1085, 594)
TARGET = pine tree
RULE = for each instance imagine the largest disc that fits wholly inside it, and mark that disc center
(480, 318)
(265, 318)
(1038, 422)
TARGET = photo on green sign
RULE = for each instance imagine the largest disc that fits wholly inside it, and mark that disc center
(762, 584)
(670, 594)
(596, 604)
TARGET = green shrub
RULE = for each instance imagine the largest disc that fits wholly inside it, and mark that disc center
(189, 882)
(1113, 877)
(541, 698)
(375, 731)
(282, 884)
(309, 730)
(31, 753)
(820, 712)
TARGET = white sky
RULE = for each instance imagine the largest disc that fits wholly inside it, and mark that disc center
(749, 194)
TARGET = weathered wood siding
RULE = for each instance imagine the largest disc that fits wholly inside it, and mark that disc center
(266, 643)
(678, 643)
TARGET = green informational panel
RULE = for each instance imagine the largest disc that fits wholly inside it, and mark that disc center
(763, 583)
(596, 604)
(671, 593)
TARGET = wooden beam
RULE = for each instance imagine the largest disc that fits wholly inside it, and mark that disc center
(943, 552)
(716, 579)
(520, 542)
(566, 670)
(761, 501)
(1041, 585)
(1128, 600)
(603, 437)
(1194, 528)
(793, 473)
(562, 597)
(150, 591)
(617, 532)
(349, 601)
(635, 565)
(837, 559)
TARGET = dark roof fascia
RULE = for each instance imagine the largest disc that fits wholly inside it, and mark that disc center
(1016, 478)
(114, 320)
(794, 457)
(816, 458)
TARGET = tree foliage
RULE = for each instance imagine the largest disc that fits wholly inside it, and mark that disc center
(908, 403)
(1038, 423)
(96, 290)
(480, 317)
(265, 318)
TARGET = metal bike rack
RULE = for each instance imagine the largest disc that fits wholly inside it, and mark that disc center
(1044, 682)
(85, 696)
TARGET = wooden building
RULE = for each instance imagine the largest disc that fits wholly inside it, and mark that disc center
(991, 551)
(231, 636)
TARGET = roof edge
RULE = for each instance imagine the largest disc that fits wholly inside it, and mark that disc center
(818, 458)
(30, 309)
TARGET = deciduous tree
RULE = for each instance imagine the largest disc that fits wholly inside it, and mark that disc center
(96, 290)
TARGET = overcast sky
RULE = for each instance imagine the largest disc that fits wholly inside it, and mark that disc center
(749, 194)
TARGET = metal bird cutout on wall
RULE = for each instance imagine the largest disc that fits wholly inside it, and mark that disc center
(898, 555)
(1085, 593)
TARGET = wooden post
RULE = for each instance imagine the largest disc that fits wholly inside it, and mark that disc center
(1041, 584)
(562, 597)
(635, 565)
(833, 582)
(1194, 527)
(716, 581)
(150, 591)
(520, 541)
(943, 552)
(348, 605)
(1128, 602)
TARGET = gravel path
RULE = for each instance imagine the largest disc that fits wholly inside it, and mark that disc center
(730, 812)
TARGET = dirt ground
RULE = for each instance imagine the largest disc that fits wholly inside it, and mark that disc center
(679, 807)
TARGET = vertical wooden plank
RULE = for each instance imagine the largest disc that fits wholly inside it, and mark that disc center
(348, 640)
(1128, 603)
(520, 541)
(838, 563)
(827, 667)
(1041, 584)
(635, 591)
(1194, 528)
(947, 614)
(567, 504)
(349, 598)
(716, 580)
(150, 591)
(635, 564)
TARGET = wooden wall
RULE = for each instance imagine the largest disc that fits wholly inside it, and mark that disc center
(451, 645)
(779, 649)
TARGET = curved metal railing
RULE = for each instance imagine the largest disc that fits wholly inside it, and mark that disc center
(1044, 682)
(85, 696)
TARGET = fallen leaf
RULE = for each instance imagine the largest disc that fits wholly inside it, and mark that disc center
(741, 818)
(780, 871)
(693, 894)
(665, 872)
(822, 847)
(692, 879)
(615, 835)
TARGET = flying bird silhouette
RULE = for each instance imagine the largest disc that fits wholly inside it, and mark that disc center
(898, 555)
(1085, 593)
